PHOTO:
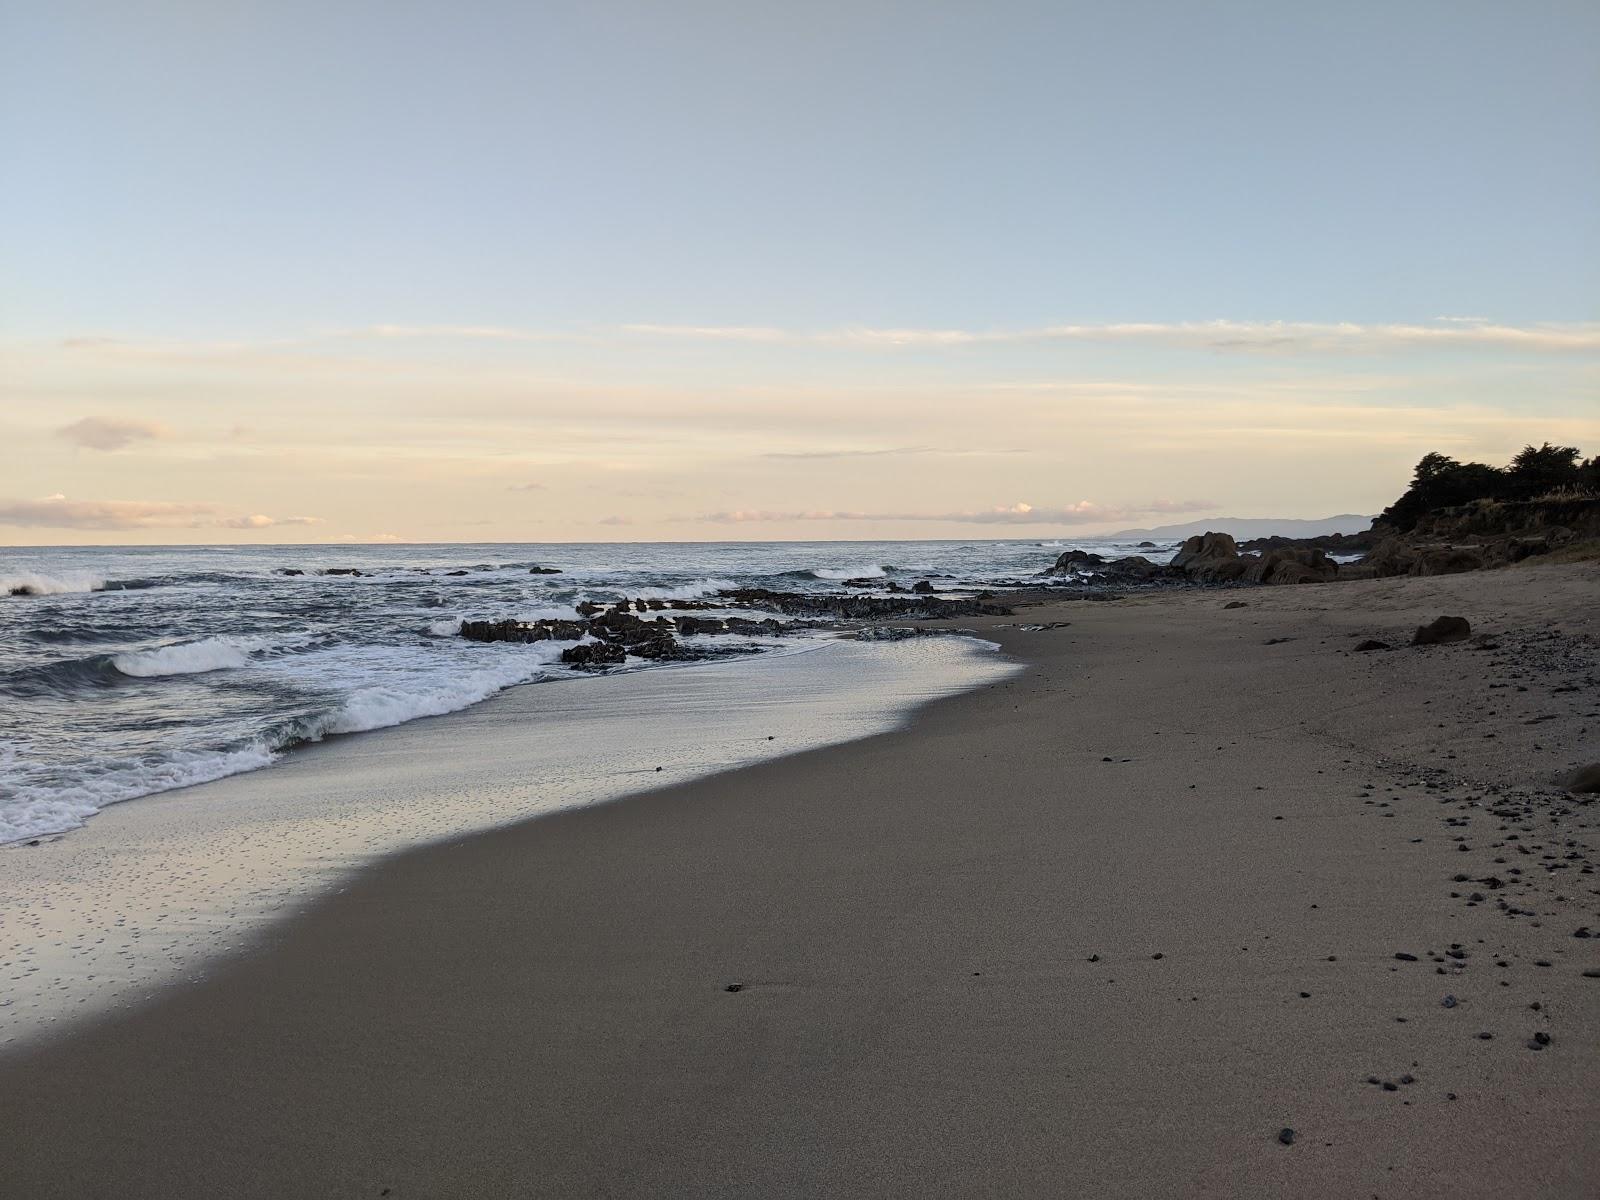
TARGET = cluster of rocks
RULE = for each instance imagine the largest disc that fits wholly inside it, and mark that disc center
(1212, 558)
(607, 636)
(1481, 535)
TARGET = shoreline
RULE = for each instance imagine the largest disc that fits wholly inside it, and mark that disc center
(167, 887)
(1051, 936)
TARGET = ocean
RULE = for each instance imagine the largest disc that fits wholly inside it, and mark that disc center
(132, 671)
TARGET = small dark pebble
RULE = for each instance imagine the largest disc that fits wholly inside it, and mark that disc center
(1389, 1086)
(1486, 1035)
(734, 987)
(1448, 1002)
(1286, 1136)
(1403, 957)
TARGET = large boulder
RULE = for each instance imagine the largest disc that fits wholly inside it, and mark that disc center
(1136, 568)
(1070, 562)
(1391, 557)
(1585, 779)
(1293, 564)
(1210, 557)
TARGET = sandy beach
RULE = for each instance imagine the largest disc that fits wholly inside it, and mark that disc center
(1201, 874)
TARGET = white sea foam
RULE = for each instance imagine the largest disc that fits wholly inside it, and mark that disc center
(381, 705)
(36, 811)
(29, 583)
(687, 591)
(849, 572)
(190, 658)
(446, 628)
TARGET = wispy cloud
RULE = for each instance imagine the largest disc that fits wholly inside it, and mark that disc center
(1084, 512)
(719, 333)
(110, 433)
(58, 512)
(894, 451)
(262, 521)
(888, 452)
(1279, 336)
(477, 333)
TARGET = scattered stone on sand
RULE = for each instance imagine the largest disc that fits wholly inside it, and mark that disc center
(734, 987)
(1585, 780)
(1286, 1136)
(1442, 630)
(1237, 604)
(1404, 957)
(1371, 644)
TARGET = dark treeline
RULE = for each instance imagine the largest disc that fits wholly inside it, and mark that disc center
(1537, 472)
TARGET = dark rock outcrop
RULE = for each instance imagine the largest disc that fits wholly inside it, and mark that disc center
(594, 654)
(1069, 561)
(544, 570)
(523, 631)
(1136, 568)
(1292, 564)
(1210, 558)
(1585, 780)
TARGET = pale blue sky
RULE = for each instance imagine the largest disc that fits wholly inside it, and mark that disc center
(312, 187)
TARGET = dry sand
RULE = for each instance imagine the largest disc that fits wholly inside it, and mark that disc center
(1101, 930)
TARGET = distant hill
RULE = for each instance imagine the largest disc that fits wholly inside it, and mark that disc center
(1250, 527)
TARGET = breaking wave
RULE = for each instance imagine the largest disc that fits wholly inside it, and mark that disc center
(29, 583)
(848, 573)
(191, 658)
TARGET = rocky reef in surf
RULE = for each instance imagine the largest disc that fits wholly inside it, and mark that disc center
(606, 635)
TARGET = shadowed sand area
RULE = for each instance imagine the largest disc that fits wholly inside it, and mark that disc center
(972, 957)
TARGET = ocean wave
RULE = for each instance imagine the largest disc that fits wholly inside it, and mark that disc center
(848, 572)
(38, 811)
(62, 678)
(382, 705)
(30, 583)
(686, 591)
(190, 658)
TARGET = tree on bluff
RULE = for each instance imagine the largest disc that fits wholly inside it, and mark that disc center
(1442, 482)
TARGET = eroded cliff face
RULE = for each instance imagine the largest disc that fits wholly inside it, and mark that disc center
(1486, 533)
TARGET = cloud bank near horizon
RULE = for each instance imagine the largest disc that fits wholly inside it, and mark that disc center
(1084, 512)
(58, 512)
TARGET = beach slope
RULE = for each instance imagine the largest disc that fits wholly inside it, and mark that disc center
(1200, 875)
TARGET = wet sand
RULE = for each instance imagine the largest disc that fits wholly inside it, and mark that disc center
(1103, 929)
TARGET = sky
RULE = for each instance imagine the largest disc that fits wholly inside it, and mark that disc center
(309, 272)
